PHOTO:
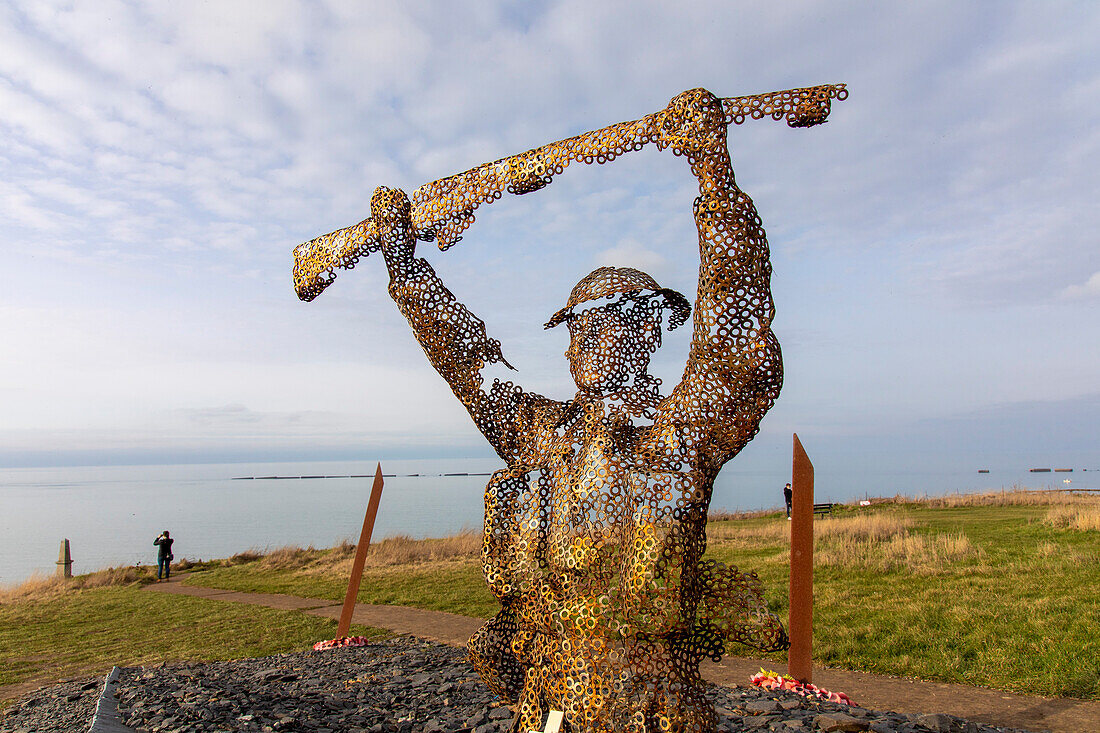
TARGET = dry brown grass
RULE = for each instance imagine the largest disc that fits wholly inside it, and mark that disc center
(725, 516)
(918, 554)
(1049, 555)
(39, 587)
(875, 527)
(114, 576)
(1046, 550)
(33, 588)
(881, 542)
(737, 533)
(244, 557)
(1080, 517)
(288, 558)
(1017, 496)
(398, 550)
(401, 550)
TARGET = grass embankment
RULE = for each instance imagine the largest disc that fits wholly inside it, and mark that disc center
(999, 590)
(437, 574)
(52, 629)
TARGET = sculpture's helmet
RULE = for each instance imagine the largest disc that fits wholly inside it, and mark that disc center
(610, 281)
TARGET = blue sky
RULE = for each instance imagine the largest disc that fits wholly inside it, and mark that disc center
(937, 274)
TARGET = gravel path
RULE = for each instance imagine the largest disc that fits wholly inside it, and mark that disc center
(401, 685)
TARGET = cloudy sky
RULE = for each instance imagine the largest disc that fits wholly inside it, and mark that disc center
(937, 274)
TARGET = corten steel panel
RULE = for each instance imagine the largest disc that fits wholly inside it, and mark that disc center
(360, 555)
(595, 532)
(801, 623)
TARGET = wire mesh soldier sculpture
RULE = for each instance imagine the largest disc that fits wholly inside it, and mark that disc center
(596, 529)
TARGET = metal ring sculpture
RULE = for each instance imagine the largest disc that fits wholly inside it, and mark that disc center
(595, 532)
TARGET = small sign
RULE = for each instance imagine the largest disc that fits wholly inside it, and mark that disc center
(553, 722)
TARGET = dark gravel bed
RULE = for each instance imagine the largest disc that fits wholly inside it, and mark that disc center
(61, 708)
(399, 685)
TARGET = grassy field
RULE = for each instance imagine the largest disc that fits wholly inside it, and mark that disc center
(51, 631)
(437, 574)
(999, 591)
(998, 595)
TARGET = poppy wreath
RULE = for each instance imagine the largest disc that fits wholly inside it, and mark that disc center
(775, 681)
(343, 641)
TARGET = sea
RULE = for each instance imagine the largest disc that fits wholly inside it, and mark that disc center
(111, 514)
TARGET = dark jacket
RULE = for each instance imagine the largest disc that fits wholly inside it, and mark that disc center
(165, 544)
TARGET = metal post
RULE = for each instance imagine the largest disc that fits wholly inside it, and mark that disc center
(799, 658)
(64, 561)
(360, 555)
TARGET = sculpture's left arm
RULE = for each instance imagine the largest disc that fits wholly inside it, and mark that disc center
(734, 369)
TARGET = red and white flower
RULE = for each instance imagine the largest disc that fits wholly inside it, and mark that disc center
(775, 681)
(341, 642)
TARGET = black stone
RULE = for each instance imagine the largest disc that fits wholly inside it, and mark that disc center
(399, 685)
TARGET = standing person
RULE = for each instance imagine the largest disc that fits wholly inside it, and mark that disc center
(164, 554)
(787, 494)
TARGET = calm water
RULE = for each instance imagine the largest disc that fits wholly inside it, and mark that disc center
(110, 514)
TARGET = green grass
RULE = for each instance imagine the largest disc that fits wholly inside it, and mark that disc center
(1021, 614)
(1018, 611)
(85, 632)
(1016, 607)
(456, 586)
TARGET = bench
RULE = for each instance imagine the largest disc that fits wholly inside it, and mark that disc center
(823, 509)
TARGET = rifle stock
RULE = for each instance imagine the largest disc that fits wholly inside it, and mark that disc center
(443, 209)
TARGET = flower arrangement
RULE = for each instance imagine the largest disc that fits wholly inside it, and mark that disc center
(341, 642)
(775, 681)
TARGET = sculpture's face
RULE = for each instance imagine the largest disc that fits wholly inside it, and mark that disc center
(610, 344)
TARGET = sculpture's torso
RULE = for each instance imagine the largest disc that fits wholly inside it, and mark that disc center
(591, 521)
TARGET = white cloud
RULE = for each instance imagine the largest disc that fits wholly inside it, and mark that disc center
(630, 253)
(164, 159)
(1090, 289)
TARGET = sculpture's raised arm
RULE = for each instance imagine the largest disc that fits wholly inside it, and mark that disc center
(804, 107)
(734, 369)
(315, 260)
(443, 209)
(734, 354)
(453, 338)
